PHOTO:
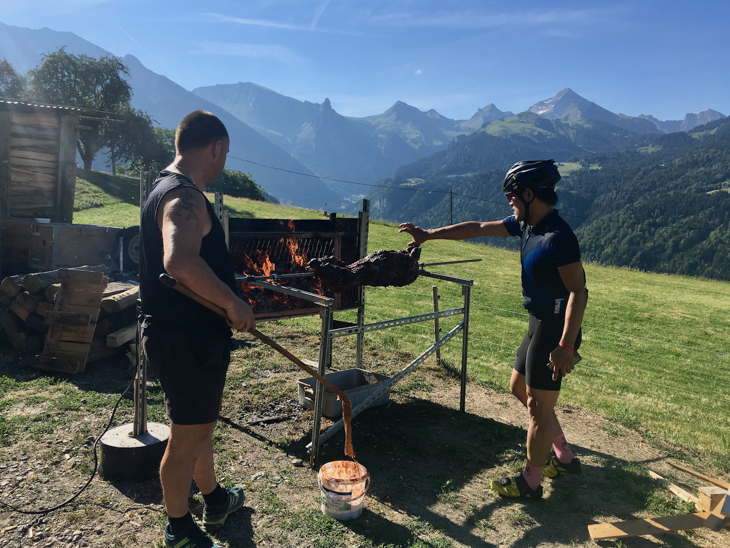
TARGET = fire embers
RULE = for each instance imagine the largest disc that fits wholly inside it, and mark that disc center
(281, 256)
(382, 268)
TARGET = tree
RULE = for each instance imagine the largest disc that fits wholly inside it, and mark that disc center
(84, 82)
(154, 155)
(238, 184)
(12, 84)
(130, 138)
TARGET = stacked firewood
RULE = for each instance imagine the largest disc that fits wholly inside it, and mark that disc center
(27, 300)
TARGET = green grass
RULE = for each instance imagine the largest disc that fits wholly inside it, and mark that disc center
(655, 347)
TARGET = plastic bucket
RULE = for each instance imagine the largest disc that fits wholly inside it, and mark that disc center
(342, 486)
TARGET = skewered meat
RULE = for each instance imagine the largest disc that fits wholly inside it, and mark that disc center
(382, 268)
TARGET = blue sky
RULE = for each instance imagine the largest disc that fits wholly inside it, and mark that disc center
(658, 57)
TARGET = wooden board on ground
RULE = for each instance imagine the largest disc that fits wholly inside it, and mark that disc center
(654, 526)
(708, 479)
(681, 493)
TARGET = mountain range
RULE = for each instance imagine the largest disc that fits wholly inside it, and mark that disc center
(335, 146)
(305, 153)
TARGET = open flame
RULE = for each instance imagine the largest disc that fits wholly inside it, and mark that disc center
(264, 263)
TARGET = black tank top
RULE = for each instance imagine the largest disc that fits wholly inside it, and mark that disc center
(162, 305)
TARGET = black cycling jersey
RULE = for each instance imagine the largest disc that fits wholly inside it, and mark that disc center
(545, 247)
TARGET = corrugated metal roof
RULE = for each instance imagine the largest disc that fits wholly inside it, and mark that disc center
(11, 104)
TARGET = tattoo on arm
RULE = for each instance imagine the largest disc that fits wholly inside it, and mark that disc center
(185, 208)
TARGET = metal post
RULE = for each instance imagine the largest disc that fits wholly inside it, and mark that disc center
(364, 218)
(466, 291)
(139, 423)
(324, 346)
(436, 328)
(451, 206)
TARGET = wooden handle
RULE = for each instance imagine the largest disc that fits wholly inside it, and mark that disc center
(169, 281)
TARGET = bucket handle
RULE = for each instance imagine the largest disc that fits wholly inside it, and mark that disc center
(340, 493)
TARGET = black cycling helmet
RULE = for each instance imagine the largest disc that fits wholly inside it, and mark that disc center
(531, 174)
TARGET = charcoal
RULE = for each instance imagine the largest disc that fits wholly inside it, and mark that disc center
(382, 268)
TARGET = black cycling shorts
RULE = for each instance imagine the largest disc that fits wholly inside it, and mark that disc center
(191, 369)
(533, 354)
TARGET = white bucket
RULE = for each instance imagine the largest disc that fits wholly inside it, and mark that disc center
(342, 486)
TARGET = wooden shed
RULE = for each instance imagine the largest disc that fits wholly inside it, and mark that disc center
(37, 188)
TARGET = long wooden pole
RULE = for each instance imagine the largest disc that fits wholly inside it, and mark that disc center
(346, 403)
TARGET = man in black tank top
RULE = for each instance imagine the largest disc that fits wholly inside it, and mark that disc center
(187, 345)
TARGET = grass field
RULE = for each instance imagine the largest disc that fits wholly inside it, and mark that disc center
(656, 348)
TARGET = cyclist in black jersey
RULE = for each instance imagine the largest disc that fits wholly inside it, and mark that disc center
(554, 288)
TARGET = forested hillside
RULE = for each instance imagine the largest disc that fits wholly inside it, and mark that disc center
(662, 207)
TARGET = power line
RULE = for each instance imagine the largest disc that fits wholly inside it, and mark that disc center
(434, 191)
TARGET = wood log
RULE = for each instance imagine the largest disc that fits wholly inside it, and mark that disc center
(10, 322)
(39, 281)
(382, 268)
(44, 308)
(36, 323)
(112, 288)
(99, 350)
(122, 336)
(24, 304)
(113, 322)
(5, 299)
(120, 301)
(12, 285)
(52, 292)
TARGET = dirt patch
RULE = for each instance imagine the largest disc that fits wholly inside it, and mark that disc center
(430, 467)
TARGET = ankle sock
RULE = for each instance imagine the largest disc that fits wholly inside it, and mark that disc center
(533, 475)
(217, 497)
(562, 449)
(178, 525)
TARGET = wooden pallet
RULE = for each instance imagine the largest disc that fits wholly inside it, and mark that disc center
(72, 322)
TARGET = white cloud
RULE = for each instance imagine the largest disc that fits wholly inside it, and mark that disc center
(418, 72)
(480, 19)
(268, 23)
(217, 17)
(278, 53)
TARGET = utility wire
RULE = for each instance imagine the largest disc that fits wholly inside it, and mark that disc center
(623, 223)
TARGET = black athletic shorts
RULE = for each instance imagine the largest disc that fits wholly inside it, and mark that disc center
(191, 369)
(533, 354)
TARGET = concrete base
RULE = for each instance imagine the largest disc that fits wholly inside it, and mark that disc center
(131, 459)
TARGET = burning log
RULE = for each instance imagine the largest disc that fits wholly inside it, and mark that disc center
(382, 268)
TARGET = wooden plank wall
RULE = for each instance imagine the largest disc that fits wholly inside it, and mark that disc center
(66, 185)
(34, 160)
(4, 164)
